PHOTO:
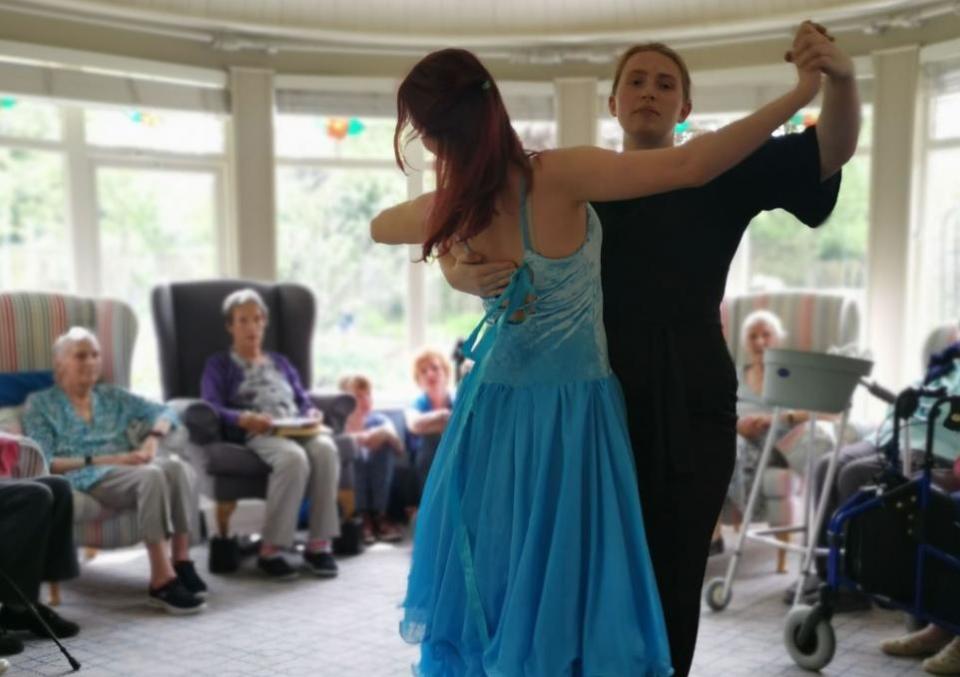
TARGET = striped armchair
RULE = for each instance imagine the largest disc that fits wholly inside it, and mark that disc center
(814, 320)
(29, 324)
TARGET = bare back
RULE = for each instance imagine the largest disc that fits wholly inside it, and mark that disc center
(558, 224)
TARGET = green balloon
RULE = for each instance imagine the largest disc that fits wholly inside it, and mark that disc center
(354, 127)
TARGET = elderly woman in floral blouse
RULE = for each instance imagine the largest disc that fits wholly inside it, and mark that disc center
(104, 440)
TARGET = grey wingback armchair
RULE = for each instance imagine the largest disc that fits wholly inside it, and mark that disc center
(190, 328)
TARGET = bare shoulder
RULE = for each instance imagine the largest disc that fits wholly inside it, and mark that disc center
(558, 159)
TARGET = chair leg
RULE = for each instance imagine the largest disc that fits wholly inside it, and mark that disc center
(225, 511)
(54, 594)
(782, 554)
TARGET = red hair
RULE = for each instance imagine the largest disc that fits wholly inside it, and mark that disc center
(450, 97)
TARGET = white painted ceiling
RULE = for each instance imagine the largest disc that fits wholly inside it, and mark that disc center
(287, 24)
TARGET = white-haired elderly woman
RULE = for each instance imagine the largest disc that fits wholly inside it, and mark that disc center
(761, 330)
(104, 440)
(251, 388)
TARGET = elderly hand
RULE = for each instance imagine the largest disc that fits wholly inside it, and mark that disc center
(753, 426)
(147, 451)
(815, 49)
(135, 457)
(255, 423)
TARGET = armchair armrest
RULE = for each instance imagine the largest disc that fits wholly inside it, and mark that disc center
(30, 461)
(201, 419)
(336, 407)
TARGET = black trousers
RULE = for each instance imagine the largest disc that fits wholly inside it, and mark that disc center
(679, 513)
(679, 389)
(36, 535)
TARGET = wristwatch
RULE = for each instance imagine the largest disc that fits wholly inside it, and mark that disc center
(88, 460)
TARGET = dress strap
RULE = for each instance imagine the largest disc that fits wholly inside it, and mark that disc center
(524, 221)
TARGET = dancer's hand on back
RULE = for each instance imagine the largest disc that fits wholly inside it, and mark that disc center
(471, 273)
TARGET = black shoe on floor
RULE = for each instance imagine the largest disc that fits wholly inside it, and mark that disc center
(191, 580)
(277, 568)
(9, 645)
(320, 564)
(24, 620)
(174, 598)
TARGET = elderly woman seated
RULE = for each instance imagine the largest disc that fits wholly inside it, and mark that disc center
(762, 330)
(104, 440)
(251, 388)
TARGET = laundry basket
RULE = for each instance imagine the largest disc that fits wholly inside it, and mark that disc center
(813, 381)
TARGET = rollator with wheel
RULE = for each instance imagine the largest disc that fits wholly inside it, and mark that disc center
(814, 382)
(898, 542)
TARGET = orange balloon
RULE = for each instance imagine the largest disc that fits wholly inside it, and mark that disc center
(337, 128)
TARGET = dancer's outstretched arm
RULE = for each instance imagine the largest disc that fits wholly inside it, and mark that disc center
(588, 173)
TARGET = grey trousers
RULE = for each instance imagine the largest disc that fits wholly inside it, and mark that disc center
(374, 474)
(162, 492)
(306, 466)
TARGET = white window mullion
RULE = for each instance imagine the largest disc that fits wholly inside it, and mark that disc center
(416, 272)
(82, 205)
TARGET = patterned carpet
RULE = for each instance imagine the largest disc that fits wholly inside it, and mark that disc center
(347, 626)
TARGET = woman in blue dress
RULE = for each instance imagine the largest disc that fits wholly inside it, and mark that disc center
(529, 557)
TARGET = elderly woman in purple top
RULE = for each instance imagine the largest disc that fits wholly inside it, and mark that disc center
(251, 388)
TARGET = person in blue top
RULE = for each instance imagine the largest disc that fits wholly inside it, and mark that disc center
(428, 414)
(665, 259)
(529, 556)
(104, 440)
(378, 444)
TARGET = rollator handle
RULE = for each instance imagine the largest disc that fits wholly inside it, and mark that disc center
(878, 390)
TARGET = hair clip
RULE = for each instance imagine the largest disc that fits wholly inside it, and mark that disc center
(485, 85)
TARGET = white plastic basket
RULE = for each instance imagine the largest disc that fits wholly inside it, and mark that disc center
(811, 381)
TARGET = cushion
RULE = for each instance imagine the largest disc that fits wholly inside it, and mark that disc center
(16, 386)
(10, 420)
(9, 456)
(202, 422)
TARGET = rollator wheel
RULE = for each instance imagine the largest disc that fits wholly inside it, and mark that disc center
(714, 597)
(818, 650)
